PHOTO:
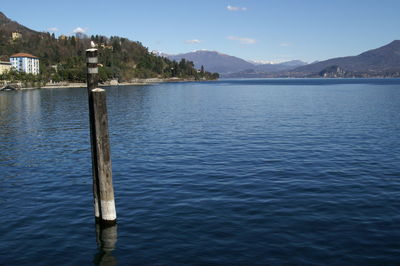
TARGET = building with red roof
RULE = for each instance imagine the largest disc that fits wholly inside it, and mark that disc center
(24, 62)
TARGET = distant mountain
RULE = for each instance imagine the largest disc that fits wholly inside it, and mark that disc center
(280, 66)
(294, 63)
(230, 65)
(380, 62)
(214, 61)
(377, 62)
(260, 62)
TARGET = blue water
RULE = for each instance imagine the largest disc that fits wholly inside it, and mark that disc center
(236, 172)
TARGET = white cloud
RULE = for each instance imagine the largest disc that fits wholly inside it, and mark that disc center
(236, 8)
(285, 44)
(53, 29)
(242, 40)
(80, 30)
(194, 41)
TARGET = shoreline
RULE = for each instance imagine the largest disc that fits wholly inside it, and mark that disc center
(150, 81)
(135, 82)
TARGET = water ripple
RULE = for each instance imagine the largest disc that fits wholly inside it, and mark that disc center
(239, 172)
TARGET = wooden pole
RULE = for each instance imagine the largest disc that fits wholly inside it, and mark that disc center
(106, 189)
(92, 83)
(103, 191)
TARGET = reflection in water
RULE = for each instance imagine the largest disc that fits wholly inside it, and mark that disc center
(20, 108)
(106, 237)
(20, 121)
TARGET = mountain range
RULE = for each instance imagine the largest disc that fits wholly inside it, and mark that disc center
(227, 65)
(381, 62)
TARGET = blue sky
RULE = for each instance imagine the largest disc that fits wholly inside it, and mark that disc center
(270, 30)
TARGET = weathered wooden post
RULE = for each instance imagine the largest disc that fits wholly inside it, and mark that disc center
(106, 189)
(103, 191)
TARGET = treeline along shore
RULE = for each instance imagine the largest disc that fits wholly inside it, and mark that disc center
(62, 59)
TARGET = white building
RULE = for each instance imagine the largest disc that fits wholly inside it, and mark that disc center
(25, 63)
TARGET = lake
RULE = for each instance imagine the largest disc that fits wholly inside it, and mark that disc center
(237, 172)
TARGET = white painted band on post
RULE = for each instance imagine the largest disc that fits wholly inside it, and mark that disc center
(93, 70)
(96, 208)
(108, 212)
(93, 60)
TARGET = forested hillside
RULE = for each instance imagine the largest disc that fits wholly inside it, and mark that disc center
(63, 58)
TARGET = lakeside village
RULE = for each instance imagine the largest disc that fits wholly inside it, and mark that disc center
(28, 65)
(25, 70)
(19, 62)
